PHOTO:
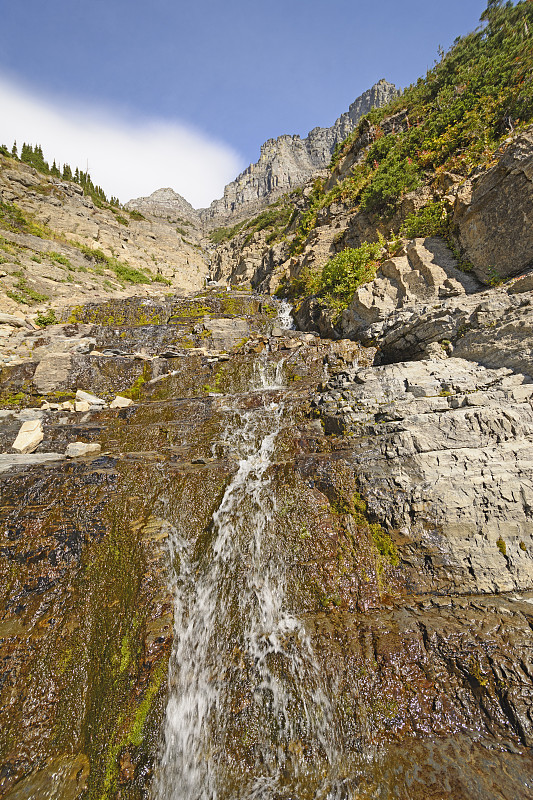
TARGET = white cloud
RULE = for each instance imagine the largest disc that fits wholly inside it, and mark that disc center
(127, 158)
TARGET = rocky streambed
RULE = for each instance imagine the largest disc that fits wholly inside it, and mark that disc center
(286, 573)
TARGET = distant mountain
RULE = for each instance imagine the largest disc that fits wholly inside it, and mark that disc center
(165, 203)
(289, 161)
(284, 164)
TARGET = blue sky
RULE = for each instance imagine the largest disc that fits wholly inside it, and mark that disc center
(223, 75)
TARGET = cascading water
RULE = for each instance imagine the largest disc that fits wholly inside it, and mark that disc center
(285, 319)
(246, 716)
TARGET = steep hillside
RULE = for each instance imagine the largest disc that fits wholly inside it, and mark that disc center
(419, 166)
(59, 245)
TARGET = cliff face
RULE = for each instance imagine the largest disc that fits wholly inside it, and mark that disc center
(289, 161)
(285, 163)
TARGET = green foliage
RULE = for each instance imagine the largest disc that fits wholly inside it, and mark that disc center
(502, 547)
(392, 178)
(59, 259)
(275, 218)
(384, 545)
(127, 274)
(135, 214)
(431, 220)
(338, 279)
(219, 235)
(158, 278)
(42, 319)
(122, 220)
(350, 268)
(23, 293)
(12, 218)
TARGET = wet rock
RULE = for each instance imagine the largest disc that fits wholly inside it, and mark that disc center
(63, 778)
(9, 460)
(29, 437)
(78, 449)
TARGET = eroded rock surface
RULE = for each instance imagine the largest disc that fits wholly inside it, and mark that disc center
(402, 501)
(444, 455)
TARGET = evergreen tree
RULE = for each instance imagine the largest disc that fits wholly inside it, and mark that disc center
(67, 173)
(14, 150)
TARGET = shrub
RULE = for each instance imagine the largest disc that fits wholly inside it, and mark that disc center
(393, 177)
(59, 259)
(42, 319)
(349, 269)
(432, 220)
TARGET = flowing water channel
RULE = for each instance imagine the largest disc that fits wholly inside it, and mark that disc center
(243, 675)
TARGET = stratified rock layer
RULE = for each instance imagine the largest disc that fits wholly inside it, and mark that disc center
(402, 510)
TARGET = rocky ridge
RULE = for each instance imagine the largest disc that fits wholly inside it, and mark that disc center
(284, 164)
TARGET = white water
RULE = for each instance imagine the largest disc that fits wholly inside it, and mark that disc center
(285, 320)
(243, 676)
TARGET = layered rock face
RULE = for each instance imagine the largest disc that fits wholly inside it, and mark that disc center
(494, 213)
(289, 161)
(399, 508)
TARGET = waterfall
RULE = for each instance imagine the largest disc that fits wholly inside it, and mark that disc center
(247, 718)
(285, 320)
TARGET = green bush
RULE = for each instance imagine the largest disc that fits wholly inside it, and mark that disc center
(136, 215)
(432, 220)
(59, 259)
(42, 319)
(349, 269)
(393, 177)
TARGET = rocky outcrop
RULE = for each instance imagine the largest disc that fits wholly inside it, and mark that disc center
(494, 213)
(444, 457)
(284, 164)
(165, 203)
(494, 328)
(423, 271)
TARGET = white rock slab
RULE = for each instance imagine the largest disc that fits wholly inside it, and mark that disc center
(86, 397)
(29, 436)
(77, 449)
(121, 402)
